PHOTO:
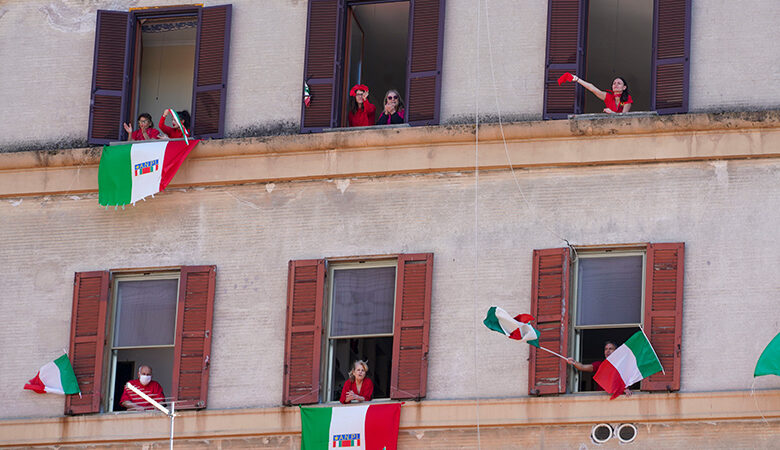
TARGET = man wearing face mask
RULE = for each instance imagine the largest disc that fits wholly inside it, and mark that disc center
(144, 383)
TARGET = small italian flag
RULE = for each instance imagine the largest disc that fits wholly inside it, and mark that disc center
(631, 362)
(131, 172)
(370, 427)
(517, 327)
(56, 377)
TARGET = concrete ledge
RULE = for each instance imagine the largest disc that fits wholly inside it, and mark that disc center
(415, 416)
(386, 151)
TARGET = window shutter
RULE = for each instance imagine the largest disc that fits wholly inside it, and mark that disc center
(108, 101)
(663, 312)
(671, 56)
(87, 338)
(412, 324)
(193, 336)
(423, 73)
(211, 68)
(303, 341)
(322, 64)
(565, 53)
(550, 307)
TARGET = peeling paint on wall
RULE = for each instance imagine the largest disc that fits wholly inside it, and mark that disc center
(78, 16)
(270, 187)
(342, 184)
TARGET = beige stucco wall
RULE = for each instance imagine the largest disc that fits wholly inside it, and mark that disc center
(46, 75)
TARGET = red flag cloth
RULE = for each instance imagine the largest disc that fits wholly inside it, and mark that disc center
(566, 77)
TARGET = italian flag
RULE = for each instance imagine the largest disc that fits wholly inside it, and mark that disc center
(131, 172)
(517, 327)
(631, 362)
(56, 377)
(370, 427)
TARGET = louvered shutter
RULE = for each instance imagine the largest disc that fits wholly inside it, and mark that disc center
(550, 307)
(110, 74)
(303, 341)
(193, 336)
(423, 73)
(565, 53)
(409, 373)
(663, 312)
(323, 64)
(87, 338)
(671, 56)
(211, 68)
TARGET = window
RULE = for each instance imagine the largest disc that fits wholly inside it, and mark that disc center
(645, 41)
(613, 292)
(150, 59)
(377, 309)
(387, 44)
(121, 320)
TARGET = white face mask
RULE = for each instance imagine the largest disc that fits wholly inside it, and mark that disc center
(145, 379)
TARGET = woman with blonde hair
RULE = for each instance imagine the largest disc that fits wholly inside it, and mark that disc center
(357, 388)
(394, 109)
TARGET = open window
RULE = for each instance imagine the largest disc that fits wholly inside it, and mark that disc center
(610, 294)
(645, 41)
(339, 311)
(151, 59)
(123, 320)
(383, 44)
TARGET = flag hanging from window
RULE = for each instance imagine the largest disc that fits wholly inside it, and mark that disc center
(369, 427)
(517, 327)
(131, 172)
(631, 362)
(56, 377)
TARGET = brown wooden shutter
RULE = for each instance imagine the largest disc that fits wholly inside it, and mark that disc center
(322, 64)
(566, 21)
(423, 73)
(87, 338)
(110, 74)
(412, 324)
(550, 307)
(663, 312)
(211, 68)
(671, 56)
(193, 336)
(303, 341)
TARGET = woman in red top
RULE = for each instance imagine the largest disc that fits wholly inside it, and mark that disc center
(361, 112)
(357, 388)
(174, 132)
(145, 129)
(617, 101)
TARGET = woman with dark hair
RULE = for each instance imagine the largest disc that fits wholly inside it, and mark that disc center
(361, 112)
(145, 129)
(394, 109)
(174, 131)
(616, 101)
(357, 388)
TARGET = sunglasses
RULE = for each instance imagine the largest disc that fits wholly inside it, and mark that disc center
(392, 97)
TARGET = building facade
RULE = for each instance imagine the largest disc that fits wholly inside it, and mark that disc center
(677, 211)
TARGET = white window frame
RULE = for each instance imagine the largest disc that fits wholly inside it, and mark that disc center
(326, 371)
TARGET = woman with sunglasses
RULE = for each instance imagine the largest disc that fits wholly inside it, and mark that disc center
(394, 109)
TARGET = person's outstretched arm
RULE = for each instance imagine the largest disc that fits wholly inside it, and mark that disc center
(579, 366)
(596, 91)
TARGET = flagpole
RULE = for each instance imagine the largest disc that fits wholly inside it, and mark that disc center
(556, 354)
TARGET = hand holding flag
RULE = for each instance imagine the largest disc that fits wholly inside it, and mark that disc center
(184, 131)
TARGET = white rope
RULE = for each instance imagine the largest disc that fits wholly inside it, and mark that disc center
(476, 228)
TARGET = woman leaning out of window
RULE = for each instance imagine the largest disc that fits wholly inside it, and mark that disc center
(394, 109)
(361, 112)
(616, 101)
(145, 129)
(357, 388)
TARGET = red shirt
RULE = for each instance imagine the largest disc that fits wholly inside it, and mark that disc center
(363, 117)
(153, 390)
(138, 135)
(609, 100)
(366, 389)
(172, 133)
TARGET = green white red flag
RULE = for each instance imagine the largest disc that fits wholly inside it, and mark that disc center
(184, 132)
(56, 377)
(631, 362)
(517, 327)
(130, 172)
(369, 427)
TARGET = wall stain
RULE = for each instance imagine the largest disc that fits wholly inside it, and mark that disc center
(78, 16)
